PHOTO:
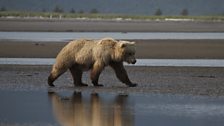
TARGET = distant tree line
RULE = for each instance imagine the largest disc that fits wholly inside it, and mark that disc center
(3, 9)
(159, 12)
(184, 12)
(58, 9)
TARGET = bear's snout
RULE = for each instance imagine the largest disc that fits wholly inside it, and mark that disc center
(133, 61)
(130, 61)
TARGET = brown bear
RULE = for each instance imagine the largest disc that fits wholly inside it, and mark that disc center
(94, 55)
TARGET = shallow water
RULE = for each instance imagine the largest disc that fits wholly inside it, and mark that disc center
(140, 62)
(104, 109)
(65, 36)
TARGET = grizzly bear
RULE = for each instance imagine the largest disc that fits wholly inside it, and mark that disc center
(94, 55)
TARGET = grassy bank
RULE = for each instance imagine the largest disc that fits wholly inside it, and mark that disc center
(106, 16)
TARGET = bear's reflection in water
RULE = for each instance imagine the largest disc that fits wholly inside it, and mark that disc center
(93, 110)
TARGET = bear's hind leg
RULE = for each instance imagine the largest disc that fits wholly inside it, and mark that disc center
(51, 79)
(77, 76)
(55, 73)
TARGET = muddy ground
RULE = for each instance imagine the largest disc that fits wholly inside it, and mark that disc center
(176, 80)
(171, 80)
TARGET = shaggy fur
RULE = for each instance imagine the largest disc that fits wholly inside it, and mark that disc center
(94, 55)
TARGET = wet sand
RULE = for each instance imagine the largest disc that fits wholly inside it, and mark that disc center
(75, 25)
(183, 80)
(165, 80)
(145, 49)
(174, 80)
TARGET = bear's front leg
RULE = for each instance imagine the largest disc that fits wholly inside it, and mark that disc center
(121, 73)
(95, 73)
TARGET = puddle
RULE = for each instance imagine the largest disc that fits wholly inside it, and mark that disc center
(65, 36)
(68, 108)
(140, 62)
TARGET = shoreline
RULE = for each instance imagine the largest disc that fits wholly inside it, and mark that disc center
(68, 25)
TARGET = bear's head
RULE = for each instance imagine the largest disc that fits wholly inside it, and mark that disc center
(126, 51)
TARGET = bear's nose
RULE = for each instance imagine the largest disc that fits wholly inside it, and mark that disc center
(134, 61)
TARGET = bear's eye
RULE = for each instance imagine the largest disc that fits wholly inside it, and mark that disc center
(129, 53)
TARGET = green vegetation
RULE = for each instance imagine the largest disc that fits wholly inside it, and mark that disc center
(57, 9)
(184, 12)
(158, 12)
(95, 15)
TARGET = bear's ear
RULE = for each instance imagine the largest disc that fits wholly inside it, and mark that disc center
(132, 43)
(122, 45)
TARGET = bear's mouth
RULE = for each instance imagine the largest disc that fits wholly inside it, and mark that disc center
(132, 61)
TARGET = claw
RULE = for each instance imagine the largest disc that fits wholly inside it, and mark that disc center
(98, 85)
(132, 85)
(82, 85)
(51, 85)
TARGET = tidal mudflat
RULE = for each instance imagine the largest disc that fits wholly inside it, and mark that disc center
(165, 95)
